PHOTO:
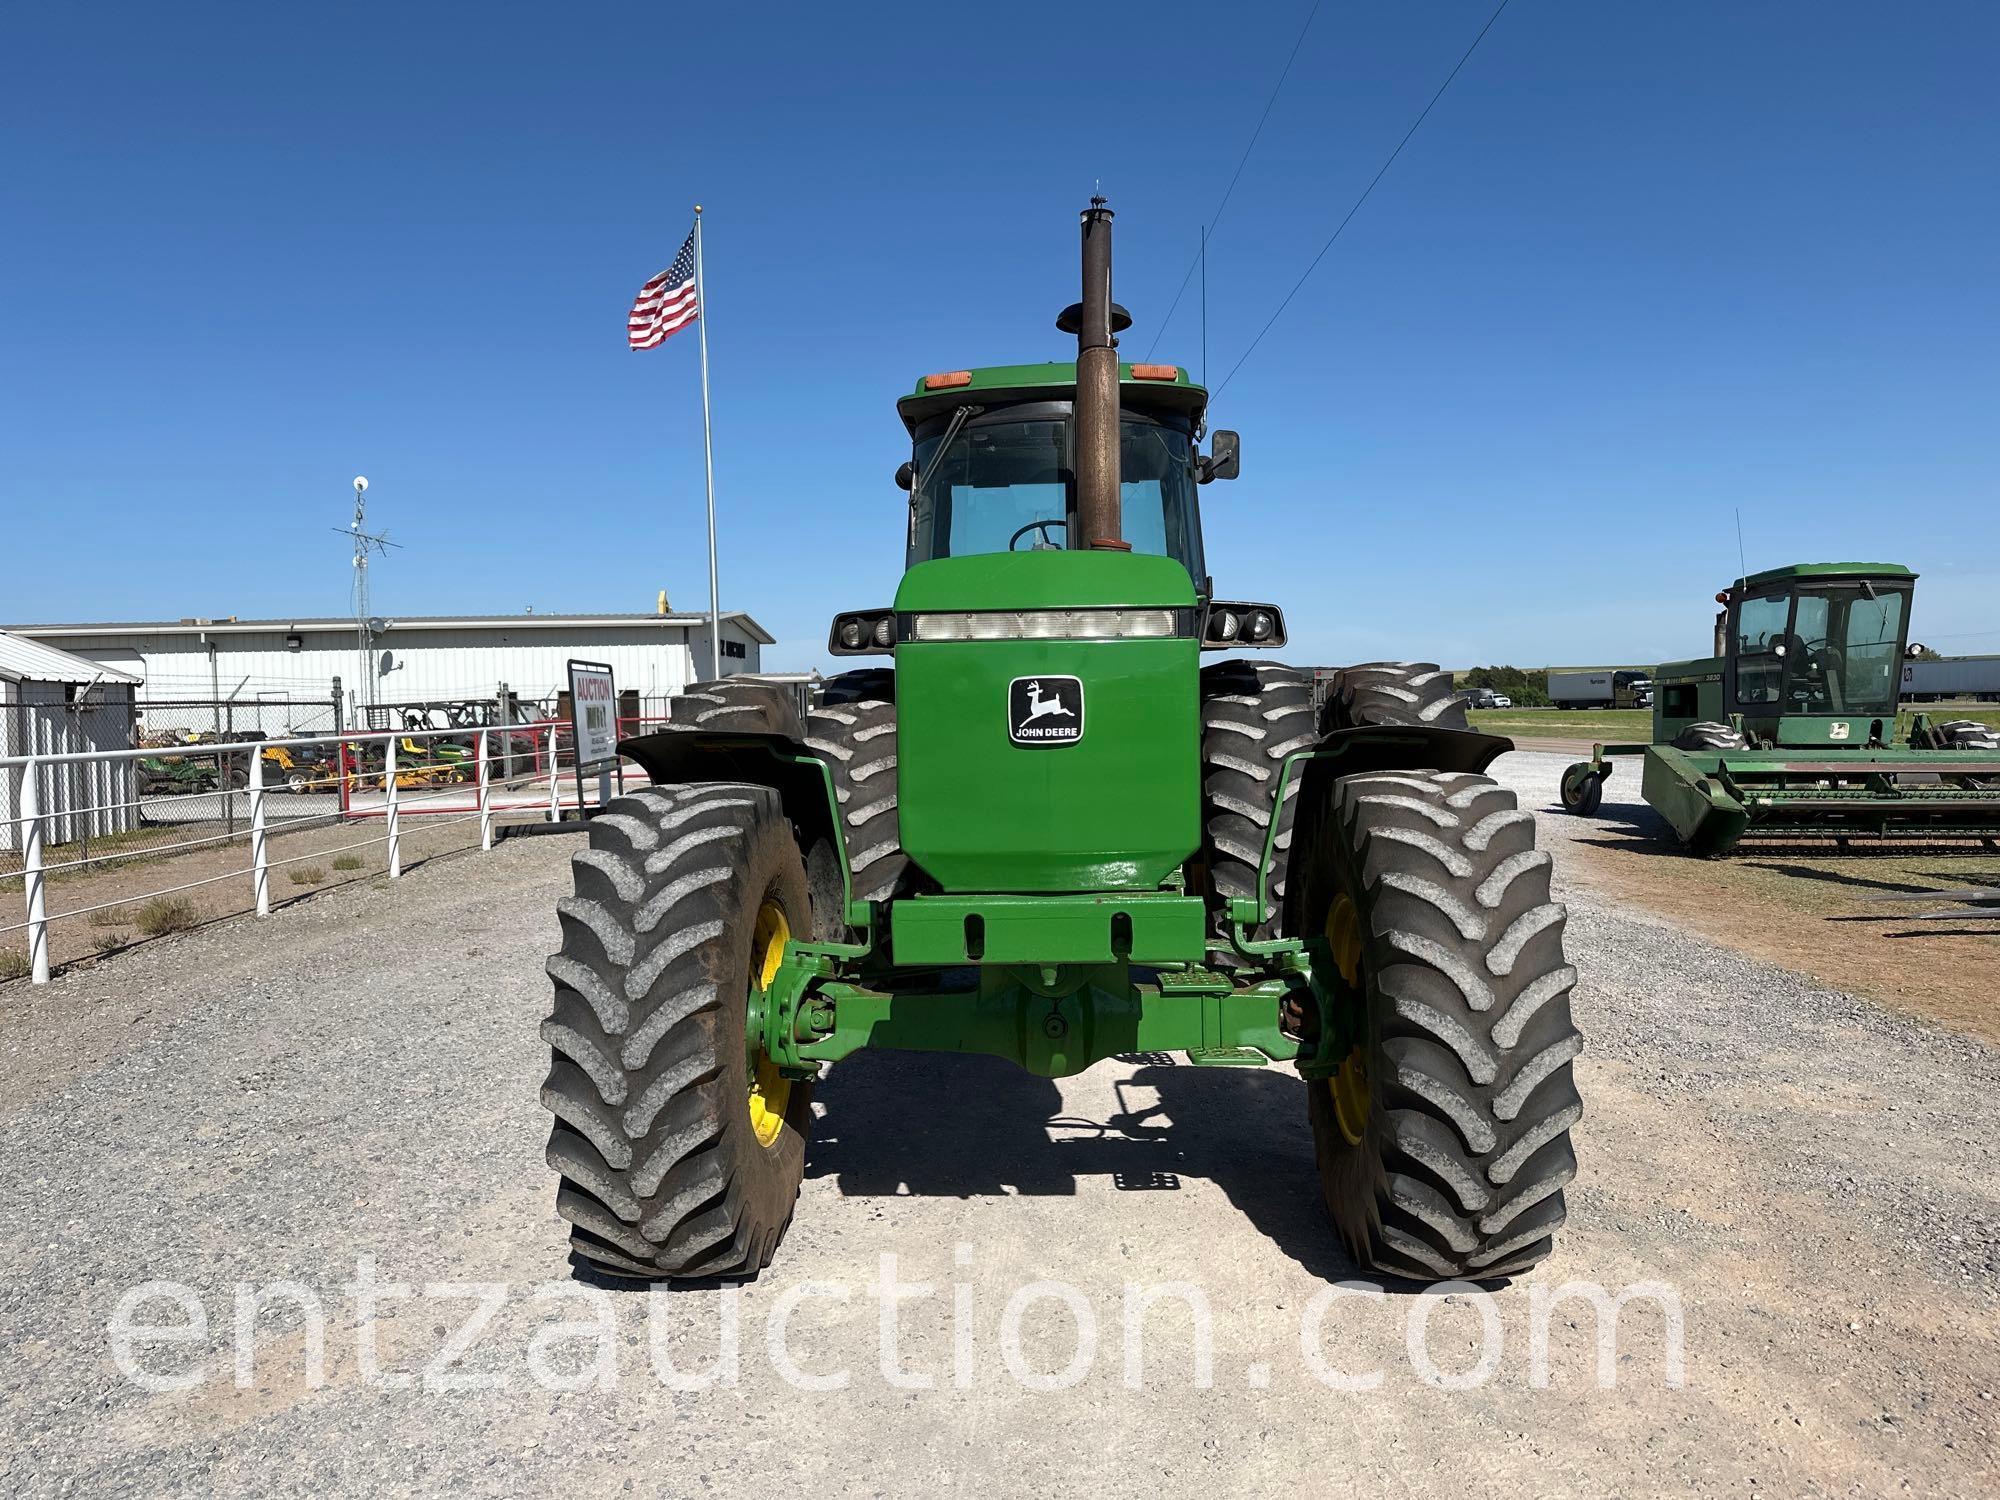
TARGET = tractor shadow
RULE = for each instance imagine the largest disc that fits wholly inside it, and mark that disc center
(1635, 828)
(991, 1129)
(1625, 827)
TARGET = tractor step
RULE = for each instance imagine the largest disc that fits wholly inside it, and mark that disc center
(1226, 1057)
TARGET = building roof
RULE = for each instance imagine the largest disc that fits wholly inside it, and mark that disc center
(320, 623)
(23, 660)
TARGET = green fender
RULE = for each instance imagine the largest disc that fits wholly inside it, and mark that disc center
(1353, 752)
(794, 771)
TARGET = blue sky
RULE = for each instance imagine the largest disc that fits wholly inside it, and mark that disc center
(1644, 265)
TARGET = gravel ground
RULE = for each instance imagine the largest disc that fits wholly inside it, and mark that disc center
(265, 1103)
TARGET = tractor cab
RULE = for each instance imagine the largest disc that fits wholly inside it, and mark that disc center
(1816, 644)
(994, 462)
(1809, 654)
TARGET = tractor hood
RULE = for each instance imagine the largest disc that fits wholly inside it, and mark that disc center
(1048, 723)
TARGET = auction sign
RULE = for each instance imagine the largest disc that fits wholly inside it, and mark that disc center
(593, 711)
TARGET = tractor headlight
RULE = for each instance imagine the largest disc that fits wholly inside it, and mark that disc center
(862, 633)
(1231, 624)
(1048, 625)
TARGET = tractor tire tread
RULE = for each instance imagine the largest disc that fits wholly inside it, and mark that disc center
(1709, 735)
(661, 1174)
(853, 730)
(732, 703)
(1253, 715)
(1402, 693)
(1462, 1164)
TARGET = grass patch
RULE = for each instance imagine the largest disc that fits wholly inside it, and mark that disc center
(14, 964)
(104, 942)
(1621, 725)
(307, 875)
(349, 862)
(165, 914)
(111, 916)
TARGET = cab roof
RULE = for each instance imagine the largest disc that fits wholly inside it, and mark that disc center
(1054, 381)
(1824, 570)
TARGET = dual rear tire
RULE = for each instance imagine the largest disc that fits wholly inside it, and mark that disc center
(1442, 1135)
(1442, 1140)
(679, 1145)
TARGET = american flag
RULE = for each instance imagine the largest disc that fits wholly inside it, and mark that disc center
(666, 304)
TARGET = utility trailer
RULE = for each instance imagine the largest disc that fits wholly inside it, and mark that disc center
(1971, 679)
(1789, 730)
(1605, 688)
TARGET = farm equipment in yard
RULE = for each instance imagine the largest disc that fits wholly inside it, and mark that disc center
(439, 760)
(365, 765)
(296, 770)
(177, 775)
(1789, 730)
(1047, 833)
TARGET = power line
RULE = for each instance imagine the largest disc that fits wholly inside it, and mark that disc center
(1241, 163)
(1380, 173)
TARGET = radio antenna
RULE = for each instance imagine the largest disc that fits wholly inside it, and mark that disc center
(365, 542)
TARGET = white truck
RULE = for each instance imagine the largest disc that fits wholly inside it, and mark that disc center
(1606, 688)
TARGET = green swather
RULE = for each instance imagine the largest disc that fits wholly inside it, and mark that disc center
(1789, 730)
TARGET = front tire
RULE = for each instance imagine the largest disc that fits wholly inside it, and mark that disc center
(1443, 1140)
(1708, 735)
(1253, 714)
(1966, 734)
(854, 731)
(1409, 693)
(736, 703)
(680, 1150)
(1582, 790)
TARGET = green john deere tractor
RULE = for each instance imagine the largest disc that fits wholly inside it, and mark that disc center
(1789, 729)
(1044, 831)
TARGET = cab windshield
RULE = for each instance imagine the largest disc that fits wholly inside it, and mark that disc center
(1828, 649)
(1007, 482)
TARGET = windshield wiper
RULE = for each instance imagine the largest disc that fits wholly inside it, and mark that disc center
(958, 419)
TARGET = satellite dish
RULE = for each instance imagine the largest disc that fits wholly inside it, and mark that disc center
(360, 484)
(376, 625)
(388, 662)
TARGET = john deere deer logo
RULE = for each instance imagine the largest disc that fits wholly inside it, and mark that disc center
(1044, 708)
(1044, 711)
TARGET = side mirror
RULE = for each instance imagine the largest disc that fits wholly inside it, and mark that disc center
(906, 475)
(1224, 460)
(1915, 649)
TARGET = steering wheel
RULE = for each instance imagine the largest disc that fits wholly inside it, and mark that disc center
(1043, 528)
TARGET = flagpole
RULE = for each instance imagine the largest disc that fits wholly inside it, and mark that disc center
(708, 456)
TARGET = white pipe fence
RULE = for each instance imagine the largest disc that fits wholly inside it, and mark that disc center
(429, 780)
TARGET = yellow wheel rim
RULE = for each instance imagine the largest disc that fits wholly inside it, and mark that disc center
(770, 1090)
(1349, 1086)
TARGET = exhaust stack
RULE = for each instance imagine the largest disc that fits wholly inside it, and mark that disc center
(1097, 389)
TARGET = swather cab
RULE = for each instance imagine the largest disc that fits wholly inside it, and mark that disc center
(1790, 729)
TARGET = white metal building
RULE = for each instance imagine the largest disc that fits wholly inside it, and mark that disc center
(52, 702)
(418, 659)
